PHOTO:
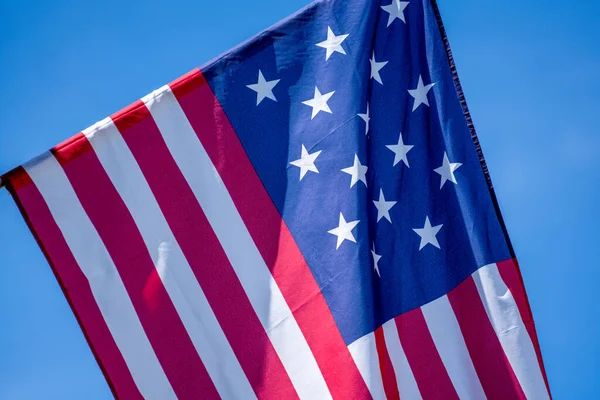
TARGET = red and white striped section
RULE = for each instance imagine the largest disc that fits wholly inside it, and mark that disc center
(185, 285)
(476, 342)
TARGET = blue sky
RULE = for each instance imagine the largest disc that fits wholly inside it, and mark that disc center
(531, 74)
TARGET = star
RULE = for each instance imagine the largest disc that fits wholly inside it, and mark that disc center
(366, 117)
(333, 43)
(383, 207)
(344, 231)
(446, 171)
(306, 162)
(375, 67)
(400, 151)
(319, 103)
(428, 233)
(263, 88)
(396, 11)
(376, 258)
(358, 172)
(420, 93)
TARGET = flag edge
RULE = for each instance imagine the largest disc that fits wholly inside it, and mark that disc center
(484, 167)
(5, 182)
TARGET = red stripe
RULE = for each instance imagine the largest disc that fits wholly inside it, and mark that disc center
(73, 283)
(205, 255)
(120, 235)
(511, 275)
(385, 365)
(493, 369)
(424, 360)
(272, 237)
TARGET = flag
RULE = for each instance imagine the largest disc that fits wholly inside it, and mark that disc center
(307, 216)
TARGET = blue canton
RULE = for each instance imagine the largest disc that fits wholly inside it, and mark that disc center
(349, 113)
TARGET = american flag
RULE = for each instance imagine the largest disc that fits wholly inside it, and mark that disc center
(307, 216)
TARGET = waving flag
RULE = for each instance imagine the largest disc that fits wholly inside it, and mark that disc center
(307, 216)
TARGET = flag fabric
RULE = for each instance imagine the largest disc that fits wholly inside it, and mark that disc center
(307, 216)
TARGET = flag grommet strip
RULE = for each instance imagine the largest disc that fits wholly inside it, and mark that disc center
(471, 125)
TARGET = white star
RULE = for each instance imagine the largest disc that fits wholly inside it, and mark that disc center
(333, 43)
(376, 258)
(358, 172)
(396, 11)
(306, 162)
(375, 67)
(383, 207)
(400, 151)
(366, 117)
(420, 93)
(319, 103)
(344, 231)
(446, 171)
(263, 88)
(428, 233)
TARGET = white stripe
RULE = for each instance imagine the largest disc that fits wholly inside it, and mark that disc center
(175, 272)
(106, 285)
(407, 385)
(364, 353)
(452, 349)
(504, 315)
(254, 275)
